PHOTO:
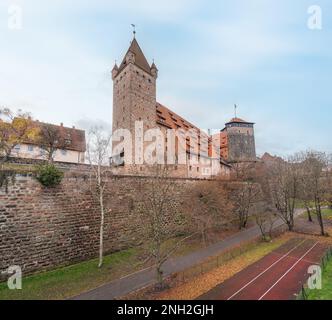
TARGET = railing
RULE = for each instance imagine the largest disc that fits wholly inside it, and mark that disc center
(218, 260)
(304, 293)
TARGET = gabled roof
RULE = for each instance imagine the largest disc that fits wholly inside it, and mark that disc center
(140, 60)
(70, 138)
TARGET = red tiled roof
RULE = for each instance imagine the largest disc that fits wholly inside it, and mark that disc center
(238, 120)
(72, 138)
(171, 120)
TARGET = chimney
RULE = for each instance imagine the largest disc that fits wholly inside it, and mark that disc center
(74, 127)
(61, 124)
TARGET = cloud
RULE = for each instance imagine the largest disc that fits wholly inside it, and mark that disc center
(88, 124)
(256, 53)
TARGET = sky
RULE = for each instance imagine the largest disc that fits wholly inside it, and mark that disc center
(259, 54)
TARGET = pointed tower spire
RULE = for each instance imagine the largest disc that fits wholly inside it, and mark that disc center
(136, 56)
(154, 70)
(115, 70)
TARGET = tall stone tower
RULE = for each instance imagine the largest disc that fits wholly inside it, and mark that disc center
(134, 92)
(240, 140)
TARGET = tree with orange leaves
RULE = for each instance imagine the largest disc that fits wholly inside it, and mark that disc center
(15, 128)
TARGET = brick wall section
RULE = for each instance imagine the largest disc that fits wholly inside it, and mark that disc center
(46, 228)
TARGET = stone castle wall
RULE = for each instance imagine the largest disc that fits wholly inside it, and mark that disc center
(42, 228)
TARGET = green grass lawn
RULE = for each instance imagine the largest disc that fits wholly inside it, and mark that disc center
(326, 292)
(69, 281)
(72, 280)
(327, 213)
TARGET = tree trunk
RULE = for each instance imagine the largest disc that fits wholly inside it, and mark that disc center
(50, 157)
(159, 275)
(290, 225)
(309, 214)
(320, 219)
(203, 237)
(245, 221)
(240, 222)
(101, 234)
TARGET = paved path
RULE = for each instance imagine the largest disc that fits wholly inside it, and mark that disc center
(278, 276)
(143, 278)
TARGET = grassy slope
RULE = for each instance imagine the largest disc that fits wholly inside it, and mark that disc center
(326, 292)
(69, 281)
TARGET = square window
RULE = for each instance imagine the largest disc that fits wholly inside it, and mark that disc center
(30, 148)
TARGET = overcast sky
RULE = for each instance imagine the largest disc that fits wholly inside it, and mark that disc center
(259, 54)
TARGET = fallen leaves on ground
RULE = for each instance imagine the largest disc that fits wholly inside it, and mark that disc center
(205, 282)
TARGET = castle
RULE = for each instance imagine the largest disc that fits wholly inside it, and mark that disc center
(191, 152)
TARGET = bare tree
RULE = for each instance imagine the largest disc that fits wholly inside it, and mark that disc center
(98, 153)
(265, 218)
(208, 205)
(317, 177)
(245, 192)
(284, 187)
(305, 184)
(329, 181)
(50, 140)
(162, 218)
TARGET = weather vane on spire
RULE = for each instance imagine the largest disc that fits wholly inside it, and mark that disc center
(134, 29)
(235, 108)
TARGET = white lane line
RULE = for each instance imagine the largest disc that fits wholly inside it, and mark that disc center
(259, 275)
(289, 270)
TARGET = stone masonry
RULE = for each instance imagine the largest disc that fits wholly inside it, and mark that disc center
(41, 229)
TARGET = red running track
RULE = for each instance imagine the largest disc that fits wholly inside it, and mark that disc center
(278, 276)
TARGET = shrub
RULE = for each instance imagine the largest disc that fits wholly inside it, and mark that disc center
(49, 175)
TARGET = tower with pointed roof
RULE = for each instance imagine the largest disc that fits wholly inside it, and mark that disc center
(134, 91)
